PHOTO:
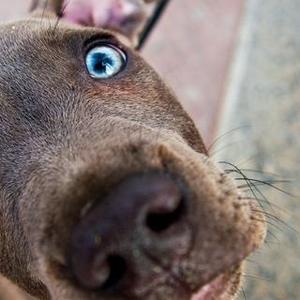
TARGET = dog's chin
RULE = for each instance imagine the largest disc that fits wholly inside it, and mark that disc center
(223, 287)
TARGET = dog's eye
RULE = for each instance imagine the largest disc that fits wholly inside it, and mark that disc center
(104, 61)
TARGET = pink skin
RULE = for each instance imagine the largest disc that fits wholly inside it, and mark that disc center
(125, 16)
(213, 290)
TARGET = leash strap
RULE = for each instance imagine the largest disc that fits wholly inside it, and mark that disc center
(158, 11)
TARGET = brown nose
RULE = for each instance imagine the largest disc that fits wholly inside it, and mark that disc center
(141, 222)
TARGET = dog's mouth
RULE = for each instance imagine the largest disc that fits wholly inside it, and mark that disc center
(213, 290)
(222, 287)
(217, 288)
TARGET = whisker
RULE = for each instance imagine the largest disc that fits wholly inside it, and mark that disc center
(245, 186)
(275, 218)
(260, 182)
(256, 277)
(269, 223)
(246, 161)
(261, 172)
(228, 145)
(271, 244)
(251, 261)
(250, 184)
(44, 11)
(60, 14)
(281, 209)
(268, 184)
(225, 135)
(243, 292)
(274, 236)
(44, 8)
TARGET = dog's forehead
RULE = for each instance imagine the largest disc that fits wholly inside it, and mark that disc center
(36, 34)
(43, 50)
(35, 45)
(33, 52)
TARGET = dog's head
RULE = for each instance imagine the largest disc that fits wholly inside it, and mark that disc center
(106, 188)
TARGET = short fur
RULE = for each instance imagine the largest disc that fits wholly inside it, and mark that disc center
(65, 137)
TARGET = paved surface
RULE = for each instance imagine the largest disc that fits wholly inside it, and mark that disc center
(264, 96)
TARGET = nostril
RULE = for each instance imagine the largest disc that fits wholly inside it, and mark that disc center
(118, 270)
(136, 213)
(161, 221)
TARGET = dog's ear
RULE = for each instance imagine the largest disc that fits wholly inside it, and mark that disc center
(46, 6)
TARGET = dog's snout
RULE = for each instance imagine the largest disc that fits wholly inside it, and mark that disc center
(142, 218)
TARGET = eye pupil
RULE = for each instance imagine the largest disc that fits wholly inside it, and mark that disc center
(101, 62)
(104, 61)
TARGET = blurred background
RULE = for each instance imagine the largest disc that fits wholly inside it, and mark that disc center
(235, 66)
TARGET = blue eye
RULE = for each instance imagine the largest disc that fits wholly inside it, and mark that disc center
(104, 61)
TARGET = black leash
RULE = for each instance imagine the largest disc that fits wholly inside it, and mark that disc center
(158, 11)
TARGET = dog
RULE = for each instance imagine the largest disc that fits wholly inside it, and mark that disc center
(107, 190)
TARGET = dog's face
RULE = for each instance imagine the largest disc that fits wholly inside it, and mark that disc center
(106, 189)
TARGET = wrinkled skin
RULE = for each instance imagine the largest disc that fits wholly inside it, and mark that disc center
(68, 143)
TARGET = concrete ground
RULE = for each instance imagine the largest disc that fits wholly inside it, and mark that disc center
(235, 67)
(263, 101)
